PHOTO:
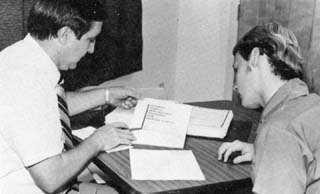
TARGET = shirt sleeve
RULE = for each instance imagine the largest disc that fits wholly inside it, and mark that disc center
(279, 168)
(32, 118)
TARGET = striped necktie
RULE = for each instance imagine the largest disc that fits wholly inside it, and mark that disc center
(66, 125)
(64, 115)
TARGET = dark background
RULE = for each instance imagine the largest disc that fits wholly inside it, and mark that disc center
(118, 48)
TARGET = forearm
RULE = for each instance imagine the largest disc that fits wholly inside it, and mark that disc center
(54, 173)
(85, 100)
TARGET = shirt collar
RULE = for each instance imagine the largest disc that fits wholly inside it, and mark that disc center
(44, 61)
(290, 90)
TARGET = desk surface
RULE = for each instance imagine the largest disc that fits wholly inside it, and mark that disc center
(220, 177)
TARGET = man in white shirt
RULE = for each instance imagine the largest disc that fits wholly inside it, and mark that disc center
(33, 159)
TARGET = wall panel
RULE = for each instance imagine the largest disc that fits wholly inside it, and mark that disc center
(301, 16)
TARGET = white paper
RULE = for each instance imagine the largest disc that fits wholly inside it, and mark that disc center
(209, 122)
(164, 165)
(87, 131)
(138, 115)
(119, 115)
(162, 123)
(84, 132)
(141, 109)
(132, 117)
(119, 148)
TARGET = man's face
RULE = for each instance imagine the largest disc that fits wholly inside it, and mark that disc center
(76, 49)
(246, 82)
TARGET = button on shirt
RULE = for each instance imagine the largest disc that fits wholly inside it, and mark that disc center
(287, 148)
(30, 129)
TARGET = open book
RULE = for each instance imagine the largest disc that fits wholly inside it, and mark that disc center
(166, 123)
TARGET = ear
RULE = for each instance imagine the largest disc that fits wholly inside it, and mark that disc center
(254, 57)
(65, 34)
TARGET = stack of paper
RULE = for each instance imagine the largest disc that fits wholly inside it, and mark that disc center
(166, 123)
(207, 122)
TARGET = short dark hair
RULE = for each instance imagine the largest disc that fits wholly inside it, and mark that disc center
(279, 44)
(48, 16)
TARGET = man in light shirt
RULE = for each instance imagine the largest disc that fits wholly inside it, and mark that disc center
(33, 159)
(286, 153)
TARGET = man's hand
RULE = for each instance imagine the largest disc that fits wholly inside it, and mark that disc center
(112, 135)
(123, 97)
(53, 173)
(227, 148)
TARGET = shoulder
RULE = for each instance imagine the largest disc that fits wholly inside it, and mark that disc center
(14, 60)
(12, 51)
(305, 126)
(295, 119)
(304, 110)
(298, 123)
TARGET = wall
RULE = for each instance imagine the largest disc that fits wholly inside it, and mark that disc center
(202, 63)
(187, 48)
(11, 20)
(302, 17)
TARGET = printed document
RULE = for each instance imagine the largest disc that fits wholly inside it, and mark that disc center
(164, 165)
(162, 123)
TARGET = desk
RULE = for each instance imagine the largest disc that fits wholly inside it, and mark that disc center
(220, 177)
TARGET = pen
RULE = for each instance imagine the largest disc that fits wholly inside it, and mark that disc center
(134, 129)
(131, 129)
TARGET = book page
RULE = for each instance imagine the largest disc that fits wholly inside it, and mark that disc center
(164, 165)
(132, 117)
(119, 115)
(209, 122)
(142, 108)
(162, 123)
